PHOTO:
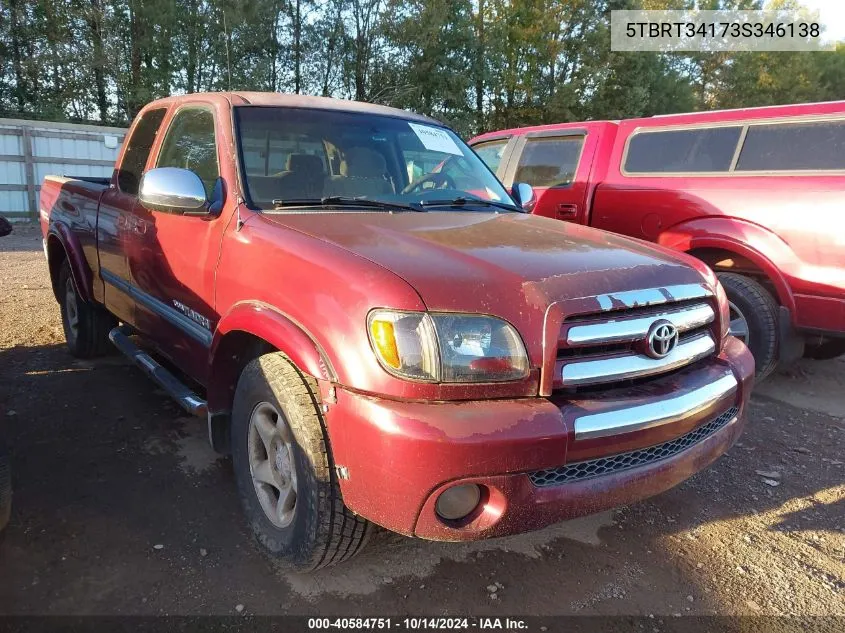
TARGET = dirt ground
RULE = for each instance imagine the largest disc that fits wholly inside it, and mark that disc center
(121, 508)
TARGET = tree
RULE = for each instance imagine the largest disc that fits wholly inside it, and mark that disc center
(365, 17)
(477, 64)
(431, 47)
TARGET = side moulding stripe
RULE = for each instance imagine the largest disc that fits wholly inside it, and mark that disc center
(171, 315)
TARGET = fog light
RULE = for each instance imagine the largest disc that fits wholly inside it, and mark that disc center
(457, 502)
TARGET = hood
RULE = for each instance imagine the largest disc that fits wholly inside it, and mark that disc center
(502, 264)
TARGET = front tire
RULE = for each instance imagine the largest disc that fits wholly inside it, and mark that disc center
(754, 320)
(284, 469)
(86, 325)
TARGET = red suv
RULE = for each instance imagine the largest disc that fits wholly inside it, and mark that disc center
(758, 194)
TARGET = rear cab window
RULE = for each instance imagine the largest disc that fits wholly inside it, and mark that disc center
(270, 154)
(138, 151)
(549, 161)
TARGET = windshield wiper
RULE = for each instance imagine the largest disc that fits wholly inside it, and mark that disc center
(345, 201)
(460, 202)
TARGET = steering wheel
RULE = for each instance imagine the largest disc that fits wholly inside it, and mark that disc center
(435, 181)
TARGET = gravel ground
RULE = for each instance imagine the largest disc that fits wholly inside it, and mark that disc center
(120, 508)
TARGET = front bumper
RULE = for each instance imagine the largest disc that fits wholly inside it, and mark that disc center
(397, 457)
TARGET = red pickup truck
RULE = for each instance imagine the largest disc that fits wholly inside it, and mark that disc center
(758, 194)
(378, 332)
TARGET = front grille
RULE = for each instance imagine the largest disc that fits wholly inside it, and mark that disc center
(626, 461)
(611, 347)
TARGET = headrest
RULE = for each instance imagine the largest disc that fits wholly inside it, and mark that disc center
(363, 162)
(304, 162)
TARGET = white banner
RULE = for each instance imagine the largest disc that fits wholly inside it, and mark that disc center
(717, 31)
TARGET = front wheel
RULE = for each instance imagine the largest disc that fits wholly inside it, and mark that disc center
(754, 319)
(284, 470)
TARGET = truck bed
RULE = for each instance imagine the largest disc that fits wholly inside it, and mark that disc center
(70, 190)
(104, 182)
(74, 200)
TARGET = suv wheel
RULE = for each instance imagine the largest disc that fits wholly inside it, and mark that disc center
(754, 319)
(284, 469)
(86, 325)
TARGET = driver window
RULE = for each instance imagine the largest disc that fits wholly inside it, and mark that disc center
(492, 153)
(190, 144)
(549, 162)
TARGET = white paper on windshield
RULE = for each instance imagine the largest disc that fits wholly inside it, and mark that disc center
(435, 139)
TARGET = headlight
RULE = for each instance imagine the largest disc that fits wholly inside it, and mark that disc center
(724, 310)
(447, 347)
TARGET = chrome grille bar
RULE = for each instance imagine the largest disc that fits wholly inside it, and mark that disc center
(636, 328)
(645, 416)
(616, 368)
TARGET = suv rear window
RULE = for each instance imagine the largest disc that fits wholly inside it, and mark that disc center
(817, 145)
(549, 162)
(679, 151)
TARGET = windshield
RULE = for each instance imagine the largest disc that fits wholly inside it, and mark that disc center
(297, 156)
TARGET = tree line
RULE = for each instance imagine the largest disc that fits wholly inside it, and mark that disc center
(477, 64)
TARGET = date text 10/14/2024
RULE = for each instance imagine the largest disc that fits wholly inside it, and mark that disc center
(418, 623)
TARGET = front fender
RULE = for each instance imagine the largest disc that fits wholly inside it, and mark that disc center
(761, 247)
(270, 325)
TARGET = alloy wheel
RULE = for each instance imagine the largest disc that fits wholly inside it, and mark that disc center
(271, 463)
(71, 308)
(738, 324)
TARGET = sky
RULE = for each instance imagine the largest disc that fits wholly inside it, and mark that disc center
(831, 14)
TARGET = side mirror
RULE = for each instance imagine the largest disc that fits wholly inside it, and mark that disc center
(173, 190)
(524, 195)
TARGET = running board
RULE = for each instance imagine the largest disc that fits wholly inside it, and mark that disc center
(177, 390)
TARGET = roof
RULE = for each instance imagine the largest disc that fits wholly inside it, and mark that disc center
(506, 133)
(279, 99)
(687, 118)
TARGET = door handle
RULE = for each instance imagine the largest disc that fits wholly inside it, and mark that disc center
(567, 211)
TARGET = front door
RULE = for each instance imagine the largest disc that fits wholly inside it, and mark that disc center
(556, 163)
(174, 263)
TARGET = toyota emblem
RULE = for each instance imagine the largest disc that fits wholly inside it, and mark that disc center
(662, 338)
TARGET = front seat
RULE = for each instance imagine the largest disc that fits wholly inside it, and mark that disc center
(304, 177)
(363, 173)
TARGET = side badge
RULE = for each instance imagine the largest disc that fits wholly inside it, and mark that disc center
(192, 314)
